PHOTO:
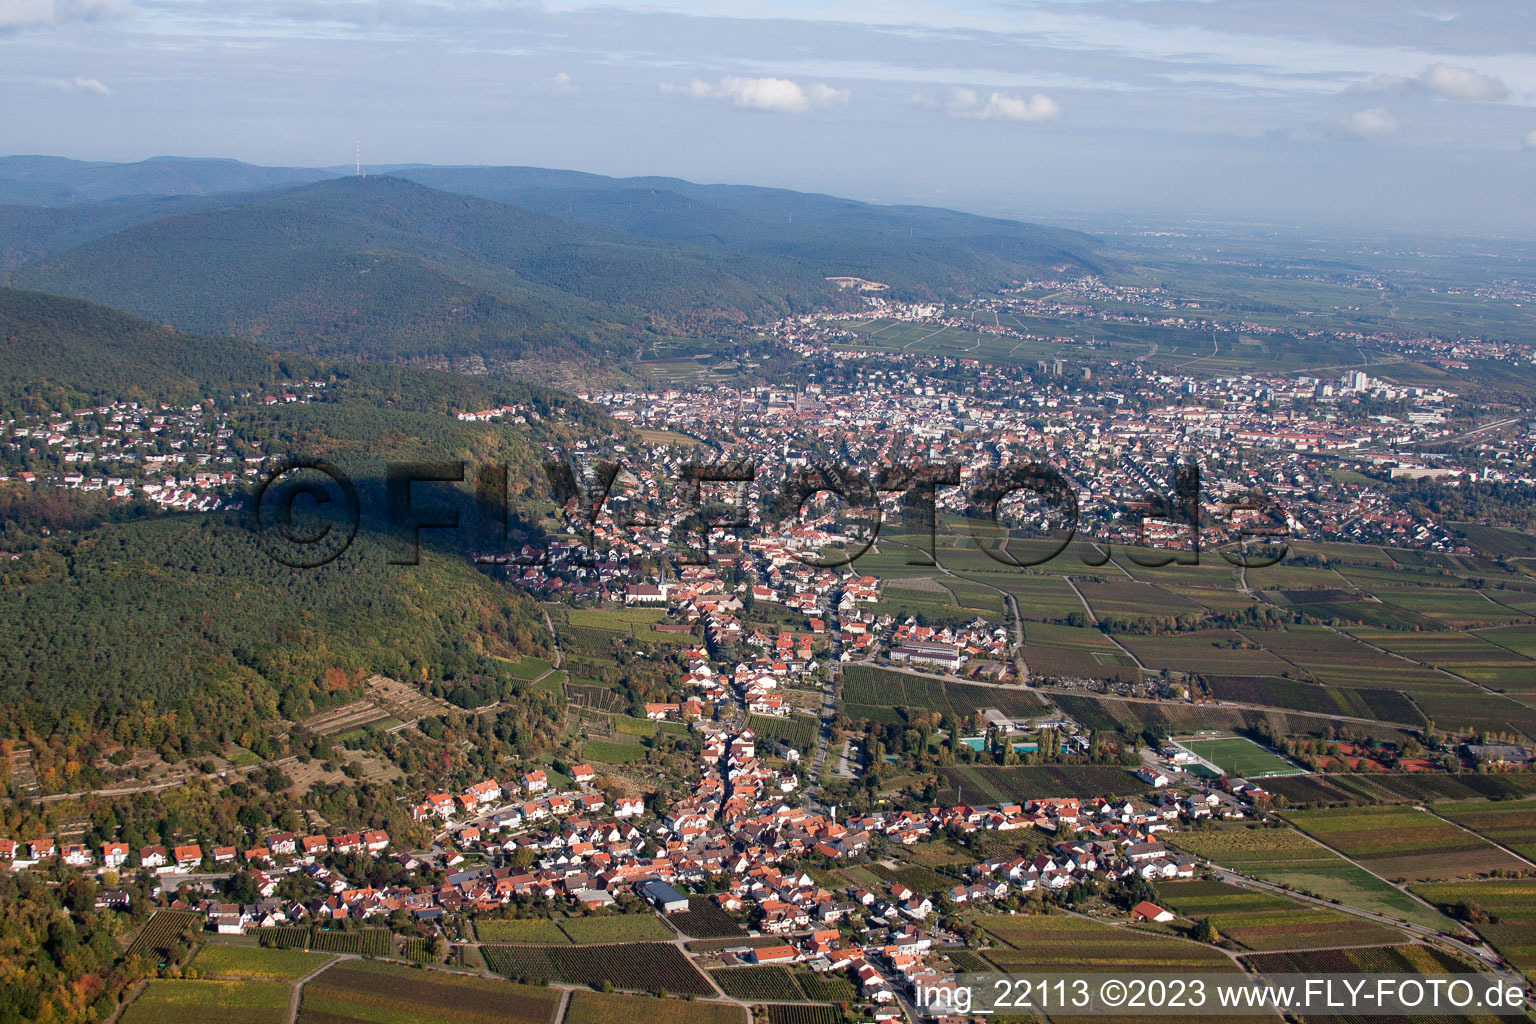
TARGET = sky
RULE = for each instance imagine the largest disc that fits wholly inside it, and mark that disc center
(1368, 115)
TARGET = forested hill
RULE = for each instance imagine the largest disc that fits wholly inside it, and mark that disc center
(382, 267)
(576, 266)
(57, 353)
(227, 645)
(56, 181)
(909, 247)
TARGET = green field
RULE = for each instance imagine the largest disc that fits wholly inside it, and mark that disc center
(1400, 842)
(617, 928)
(536, 930)
(210, 1002)
(1239, 756)
(1286, 857)
(219, 960)
(1260, 921)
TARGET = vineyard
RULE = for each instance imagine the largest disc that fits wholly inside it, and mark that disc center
(705, 920)
(1408, 959)
(535, 930)
(1510, 823)
(1262, 922)
(617, 928)
(417, 949)
(1399, 842)
(249, 1002)
(589, 1007)
(254, 963)
(163, 934)
(1057, 941)
(639, 967)
(758, 984)
(987, 784)
(798, 731)
(803, 1013)
(368, 991)
(769, 984)
(1286, 857)
(1502, 910)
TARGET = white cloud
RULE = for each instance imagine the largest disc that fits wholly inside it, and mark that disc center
(779, 95)
(1001, 106)
(1371, 125)
(15, 14)
(1446, 81)
(1462, 84)
(562, 82)
(1530, 141)
(91, 85)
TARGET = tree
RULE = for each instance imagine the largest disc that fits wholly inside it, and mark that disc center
(1206, 932)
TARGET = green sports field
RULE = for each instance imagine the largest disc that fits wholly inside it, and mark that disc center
(1238, 756)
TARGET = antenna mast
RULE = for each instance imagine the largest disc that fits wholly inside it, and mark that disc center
(359, 158)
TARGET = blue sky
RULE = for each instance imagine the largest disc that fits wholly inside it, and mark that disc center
(1396, 114)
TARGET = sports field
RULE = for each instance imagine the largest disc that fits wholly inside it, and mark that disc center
(1239, 756)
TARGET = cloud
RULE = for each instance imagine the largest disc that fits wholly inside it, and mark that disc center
(779, 95)
(562, 82)
(1445, 81)
(18, 14)
(1371, 125)
(82, 84)
(1530, 141)
(1001, 106)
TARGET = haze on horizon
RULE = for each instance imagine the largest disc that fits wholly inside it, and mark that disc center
(1369, 116)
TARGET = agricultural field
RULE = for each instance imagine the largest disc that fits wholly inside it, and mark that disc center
(764, 984)
(1465, 654)
(802, 1013)
(1288, 858)
(1399, 842)
(613, 753)
(530, 668)
(992, 784)
(164, 932)
(255, 963)
(918, 879)
(877, 693)
(1401, 959)
(799, 731)
(1062, 941)
(1241, 757)
(589, 1007)
(533, 930)
(210, 1002)
(705, 920)
(1123, 597)
(369, 992)
(1295, 695)
(617, 928)
(1503, 911)
(1209, 651)
(1337, 659)
(639, 967)
(1261, 922)
(1510, 823)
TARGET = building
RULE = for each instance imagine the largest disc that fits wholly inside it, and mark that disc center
(1145, 911)
(666, 899)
